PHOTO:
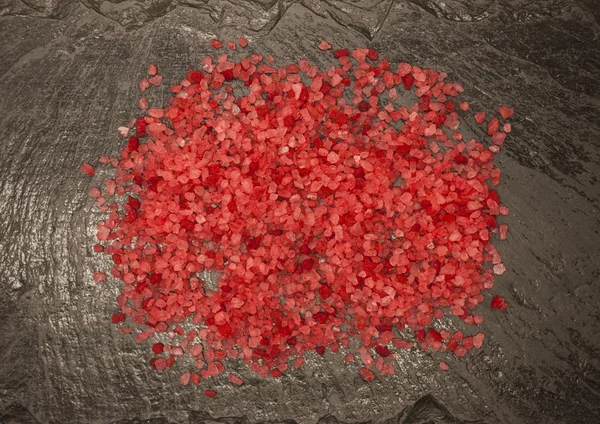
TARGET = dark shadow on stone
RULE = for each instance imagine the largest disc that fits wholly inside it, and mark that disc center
(428, 410)
(159, 420)
(200, 417)
(17, 414)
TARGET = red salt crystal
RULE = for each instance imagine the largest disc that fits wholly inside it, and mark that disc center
(320, 350)
(444, 366)
(349, 358)
(464, 106)
(210, 393)
(157, 348)
(505, 112)
(460, 351)
(493, 126)
(366, 374)
(503, 231)
(276, 373)
(498, 303)
(324, 45)
(382, 351)
(478, 340)
(118, 317)
(98, 248)
(216, 43)
(341, 53)
(243, 42)
(144, 84)
(185, 378)
(99, 276)
(133, 144)
(143, 103)
(480, 117)
(195, 377)
(373, 54)
(235, 379)
(95, 192)
(87, 169)
(407, 80)
(231, 45)
(155, 80)
(152, 70)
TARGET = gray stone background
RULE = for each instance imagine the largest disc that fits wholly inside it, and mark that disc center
(68, 78)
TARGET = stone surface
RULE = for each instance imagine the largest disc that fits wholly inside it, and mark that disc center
(68, 79)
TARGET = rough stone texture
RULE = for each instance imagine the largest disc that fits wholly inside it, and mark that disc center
(68, 75)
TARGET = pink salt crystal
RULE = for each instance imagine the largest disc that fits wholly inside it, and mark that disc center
(349, 358)
(499, 269)
(144, 84)
(156, 80)
(324, 45)
(216, 43)
(464, 106)
(503, 230)
(507, 128)
(243, 42)
(124, 131)
(185, 378)
(152, 70)
(111, 186)
(99, 276)
(444, 366)
(235, 379)
(231, 45)
(95, 192)
(480, 117)
(505, 112)
(478, 340)
(460, 351)
(160, 364)
(87, 169)
(156, 113)
(195, 377)
(143, 103)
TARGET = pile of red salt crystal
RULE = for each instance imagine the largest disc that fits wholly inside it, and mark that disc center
(328, 218)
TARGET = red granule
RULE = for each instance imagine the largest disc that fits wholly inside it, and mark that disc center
(505, 112)
(152, 70)
(480, 117)
(87, 169)
(99, 276)
(366, 374)
(156, 80)
(231, 45)
(216, 44)
(324, 45)
(210, 393)
(243, 42)
(499, 303)
(324, 220)
(235, 379)
(144, 84)
(157, 348)
(444, 366)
